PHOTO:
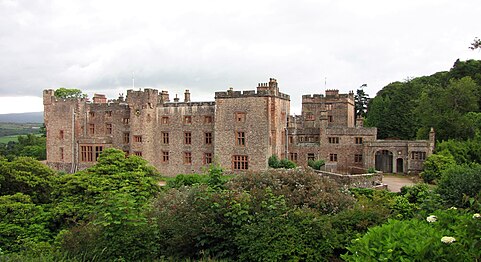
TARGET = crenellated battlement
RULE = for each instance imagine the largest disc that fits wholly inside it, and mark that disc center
(251, 93)
(187, 104)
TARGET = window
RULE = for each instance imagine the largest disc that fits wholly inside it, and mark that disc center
(187, 120)
(61, 153)
(165, 156)
(291, 140)
(61, 134)
(126, 121)
(91, 114)
(108, 113)
(187, 157)
(240, 117)
(240, 162)
(293, 157)
(165, 120)
(92, 129)
(418, 155)
(310, 117)
(240, 138)
(333, 140)
(208, 138)
(138, 153)
(357, 158)
(358, 140)
(108, 129)
(207, 158)
(311, 156)
(187, 138)
(330, 119)
(328, 106)
(138, 139)
(165, 138)
(90, 153)
(333, 157)
(207, 119)
(126, 138)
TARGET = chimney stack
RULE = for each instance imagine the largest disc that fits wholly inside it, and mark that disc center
(187, 96)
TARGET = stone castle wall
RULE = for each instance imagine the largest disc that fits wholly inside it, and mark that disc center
(247, 126)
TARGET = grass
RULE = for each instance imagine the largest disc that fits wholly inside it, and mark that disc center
(15, 129)
(6, 139)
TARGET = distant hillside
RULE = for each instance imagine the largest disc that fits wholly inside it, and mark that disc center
(35, 117)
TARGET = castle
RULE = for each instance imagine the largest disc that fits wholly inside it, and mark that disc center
(239, 131)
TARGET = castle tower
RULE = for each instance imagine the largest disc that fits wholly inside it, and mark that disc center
(250, 126)
(143, 109)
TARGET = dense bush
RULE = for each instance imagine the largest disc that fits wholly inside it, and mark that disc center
(301, 189)
(449, 235)
(23, 224)
(464, 151)
(274, 162)
(316, 164)
(186, 180)
(459, 183)
(28, 176)
(434, 165)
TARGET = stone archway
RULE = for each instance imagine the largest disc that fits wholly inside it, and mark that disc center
(399, 165)
(384, 161)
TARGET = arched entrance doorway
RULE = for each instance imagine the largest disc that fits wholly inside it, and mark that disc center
(399, 165)
(384, 161)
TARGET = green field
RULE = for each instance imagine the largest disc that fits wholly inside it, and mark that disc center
(6, 139)
(9, 131)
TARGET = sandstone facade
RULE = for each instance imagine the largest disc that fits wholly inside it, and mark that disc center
(239, 130)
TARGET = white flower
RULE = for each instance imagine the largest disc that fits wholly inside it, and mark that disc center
(431, 219)
(477, 215)
(448, 240)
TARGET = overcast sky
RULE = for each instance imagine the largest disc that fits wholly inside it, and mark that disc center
(209, 46)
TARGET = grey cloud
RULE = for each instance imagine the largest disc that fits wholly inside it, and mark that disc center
(210, 46)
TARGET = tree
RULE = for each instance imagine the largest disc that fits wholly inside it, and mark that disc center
(27, 176)
(107, 204)
(23, 224)
(435, 164)
(69, 93)
(361, 100)
(475, 44)
(444, 108)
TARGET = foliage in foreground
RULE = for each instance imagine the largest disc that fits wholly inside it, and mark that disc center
(449, 235)
(114, 211)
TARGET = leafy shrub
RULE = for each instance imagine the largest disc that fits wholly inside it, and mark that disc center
(420, 240)
(28, 176)
(274, 162)
(23, 224)
(426, 199)
(459, 183)
(194, 220)
(371, 170)
(297, 235)
(415, 193)
(287, 164)
(316, 164)
(187, 180)
(300, 188)
(434, 165)
(354, 221)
